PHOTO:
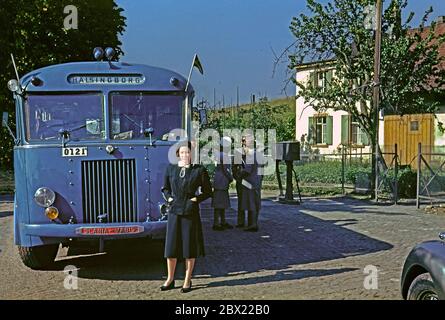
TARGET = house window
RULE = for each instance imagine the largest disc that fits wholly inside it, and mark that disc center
(321, 79)
(414, 125)
(320, 130)
(356, 133)
(352, 133)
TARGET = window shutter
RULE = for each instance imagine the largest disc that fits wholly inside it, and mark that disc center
(313, 79)
(364, 138)
(329, 75)
(345, 129)
(311, 131)
(329, 129)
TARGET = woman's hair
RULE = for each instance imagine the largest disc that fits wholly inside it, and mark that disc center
(181, 144)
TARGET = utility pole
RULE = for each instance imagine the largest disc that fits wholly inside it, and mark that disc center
(251, 111)
(376, 88)
(224, 112)
(214, 98)
(237, 107)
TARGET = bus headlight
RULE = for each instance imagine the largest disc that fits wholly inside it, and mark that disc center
(44, 197)
(52, 213)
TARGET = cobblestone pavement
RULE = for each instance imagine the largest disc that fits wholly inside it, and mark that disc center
(317, 250)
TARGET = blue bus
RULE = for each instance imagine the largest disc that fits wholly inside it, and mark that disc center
(91, 149)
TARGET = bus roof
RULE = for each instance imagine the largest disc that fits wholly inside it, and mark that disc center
(104, 76)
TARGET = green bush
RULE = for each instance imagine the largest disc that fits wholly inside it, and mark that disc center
(319, 172)
(407, 183)
(6, 182)
(330, 172)
(354, 172)
(6, 147)
(319, 177)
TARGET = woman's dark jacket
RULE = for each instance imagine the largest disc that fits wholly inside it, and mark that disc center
(183, 189)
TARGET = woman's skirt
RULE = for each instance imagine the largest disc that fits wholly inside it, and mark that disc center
(184, 238)
(221, 199)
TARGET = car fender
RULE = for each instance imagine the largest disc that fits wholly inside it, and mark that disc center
(428, 256)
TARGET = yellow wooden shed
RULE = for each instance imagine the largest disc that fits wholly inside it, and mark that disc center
(407, 132)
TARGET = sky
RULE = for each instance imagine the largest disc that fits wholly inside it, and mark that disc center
(234, 39)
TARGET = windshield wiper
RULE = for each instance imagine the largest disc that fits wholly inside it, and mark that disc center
(65, 133)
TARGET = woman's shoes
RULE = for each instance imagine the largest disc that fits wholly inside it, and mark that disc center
(188, 289)
(172, 286)
(168, 287)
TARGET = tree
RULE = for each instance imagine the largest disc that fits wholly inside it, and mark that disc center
(263, 115)
(33, 30)
(336, 32)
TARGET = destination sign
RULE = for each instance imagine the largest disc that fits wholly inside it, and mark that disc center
(120, 79)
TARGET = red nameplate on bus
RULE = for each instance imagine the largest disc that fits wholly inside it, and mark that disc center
(106, 231)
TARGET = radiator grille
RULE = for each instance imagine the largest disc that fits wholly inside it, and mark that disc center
(109, 187)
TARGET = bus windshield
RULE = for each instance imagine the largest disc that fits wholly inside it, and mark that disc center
(80, 115)
(135, 114)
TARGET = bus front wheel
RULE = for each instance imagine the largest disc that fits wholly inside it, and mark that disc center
(39, 257)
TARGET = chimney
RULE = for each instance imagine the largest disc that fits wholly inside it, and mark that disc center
(440, 19)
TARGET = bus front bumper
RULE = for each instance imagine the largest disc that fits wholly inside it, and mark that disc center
(153, 229)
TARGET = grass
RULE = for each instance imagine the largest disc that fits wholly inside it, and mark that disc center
(6, 182)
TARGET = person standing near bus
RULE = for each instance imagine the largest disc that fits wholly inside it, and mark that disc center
(221, 182)
(239, 162)
(184, 238)
(251, 181)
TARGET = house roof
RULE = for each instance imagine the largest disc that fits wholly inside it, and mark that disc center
(439, 31)
(314, 64)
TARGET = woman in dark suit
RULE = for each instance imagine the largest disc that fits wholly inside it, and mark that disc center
(184, 239)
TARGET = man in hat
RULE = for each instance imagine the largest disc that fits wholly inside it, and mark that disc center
(251, 181)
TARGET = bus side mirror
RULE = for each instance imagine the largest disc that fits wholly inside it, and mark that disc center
(202, 116)
(5, 118)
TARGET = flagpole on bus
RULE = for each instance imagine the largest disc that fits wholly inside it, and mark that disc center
(190, 73)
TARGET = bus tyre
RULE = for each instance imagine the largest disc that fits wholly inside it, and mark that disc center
(423, 288)
(39, 257)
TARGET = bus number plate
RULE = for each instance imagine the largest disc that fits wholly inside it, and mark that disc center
(75, 152)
